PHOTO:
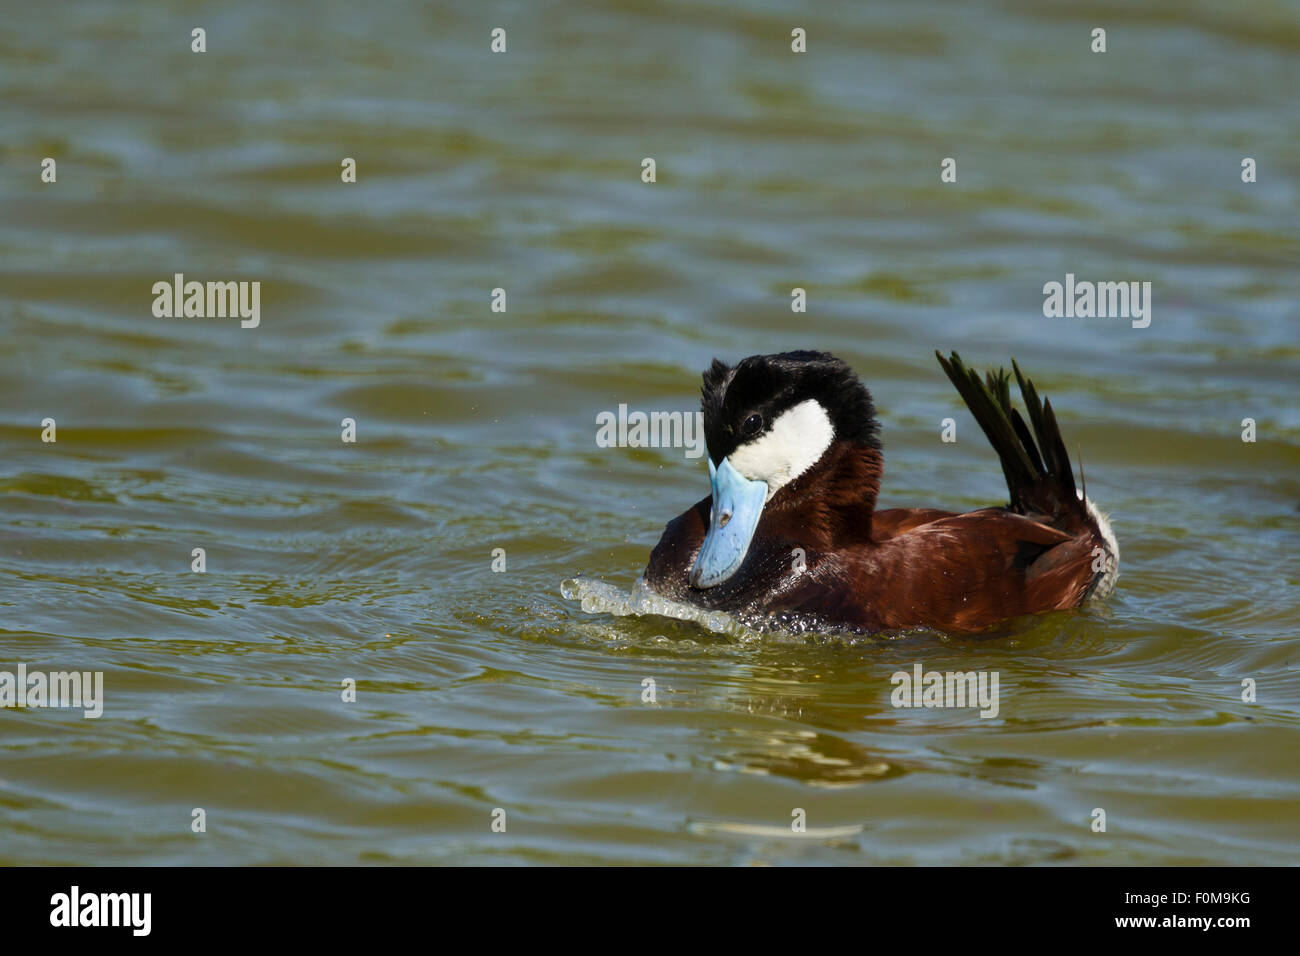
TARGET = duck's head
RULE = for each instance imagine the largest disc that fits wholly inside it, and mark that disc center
(782, 430)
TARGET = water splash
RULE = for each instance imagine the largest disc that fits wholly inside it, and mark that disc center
(600, 597)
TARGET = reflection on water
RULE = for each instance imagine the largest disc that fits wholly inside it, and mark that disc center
(818, 759)
(373, 561)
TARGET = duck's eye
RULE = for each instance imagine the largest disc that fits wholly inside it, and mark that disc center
(752, 424)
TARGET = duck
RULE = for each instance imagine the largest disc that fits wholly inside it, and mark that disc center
(790, 536)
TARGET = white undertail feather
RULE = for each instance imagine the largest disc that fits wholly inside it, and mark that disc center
(1110, 546)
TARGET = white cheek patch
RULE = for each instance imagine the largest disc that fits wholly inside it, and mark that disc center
(795, 442)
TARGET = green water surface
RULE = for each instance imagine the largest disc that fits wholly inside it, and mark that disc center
(372, 561)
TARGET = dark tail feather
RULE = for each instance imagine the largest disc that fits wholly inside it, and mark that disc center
(1036, 466)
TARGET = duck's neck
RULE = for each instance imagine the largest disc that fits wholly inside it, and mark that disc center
(831, 504)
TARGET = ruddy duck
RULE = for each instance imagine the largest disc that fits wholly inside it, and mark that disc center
(791, 534)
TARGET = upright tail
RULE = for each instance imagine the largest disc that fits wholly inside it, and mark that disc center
(1039, 478)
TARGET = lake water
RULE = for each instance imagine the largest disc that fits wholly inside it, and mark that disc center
(475, 430)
